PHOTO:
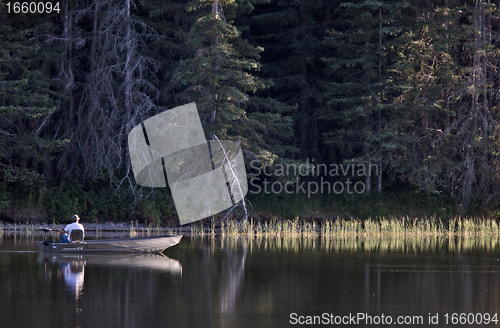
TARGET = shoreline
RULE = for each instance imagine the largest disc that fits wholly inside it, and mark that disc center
(90, 227)
(287, 228)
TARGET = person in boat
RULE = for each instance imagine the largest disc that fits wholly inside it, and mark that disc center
(63, 236)
(75, 225)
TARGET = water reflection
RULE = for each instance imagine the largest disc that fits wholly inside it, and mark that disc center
(240, 282)
(214, 283)
(233, 273)
(377, 243)
(71, 267)
(131, 260)
(74, 274)
(374, 275)
(104, 290)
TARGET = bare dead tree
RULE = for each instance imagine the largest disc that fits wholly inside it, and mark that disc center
(117, 94)
(229, 165)
(475, 127)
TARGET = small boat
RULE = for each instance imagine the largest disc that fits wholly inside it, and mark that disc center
(156, 244)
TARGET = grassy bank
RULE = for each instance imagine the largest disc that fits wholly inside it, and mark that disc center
(278, 228)
(400, 212)
(291, 228)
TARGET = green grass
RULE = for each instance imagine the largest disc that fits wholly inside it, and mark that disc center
(328, 228)
(408, 236)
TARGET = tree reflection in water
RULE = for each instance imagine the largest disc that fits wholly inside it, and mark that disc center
(232, 273)
(252, 282)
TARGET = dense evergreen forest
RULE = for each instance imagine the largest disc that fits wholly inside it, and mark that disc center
(411, 88)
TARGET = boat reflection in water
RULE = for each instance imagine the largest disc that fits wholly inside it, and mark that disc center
(71, 267)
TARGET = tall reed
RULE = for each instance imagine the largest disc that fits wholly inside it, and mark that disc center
(296, 228)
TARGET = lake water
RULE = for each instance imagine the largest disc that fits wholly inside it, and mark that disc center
(257, 283)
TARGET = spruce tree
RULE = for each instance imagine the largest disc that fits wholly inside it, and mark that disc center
(291, 32)
(219, 77)
(427, 74)
(362, 93)
(447, 68)
(172, 22)
(27, 99)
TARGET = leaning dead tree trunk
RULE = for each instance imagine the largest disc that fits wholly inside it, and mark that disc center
(236, 186)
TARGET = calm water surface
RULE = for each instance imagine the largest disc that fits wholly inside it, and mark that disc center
(252, 283)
